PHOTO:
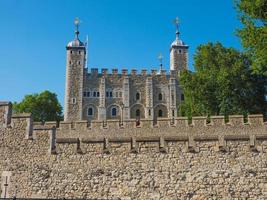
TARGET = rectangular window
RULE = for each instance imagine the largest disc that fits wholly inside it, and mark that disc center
(107, 94)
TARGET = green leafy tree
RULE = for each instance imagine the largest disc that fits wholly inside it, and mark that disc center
(222, 84)
(44, 106)
(253, 15)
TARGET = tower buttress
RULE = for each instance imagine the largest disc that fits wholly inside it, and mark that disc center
(75, 68)
(173, 102)
(126, 100)
(149, 98)
(102, 100)
(178, 52)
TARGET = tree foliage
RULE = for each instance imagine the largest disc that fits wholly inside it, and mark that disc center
(44, 106)
(222, 84)
(253, 15)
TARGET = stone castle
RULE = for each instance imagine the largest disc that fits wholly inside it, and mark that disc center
(101, 96)
(95, 154)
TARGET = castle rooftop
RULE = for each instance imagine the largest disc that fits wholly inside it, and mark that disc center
(76, 42)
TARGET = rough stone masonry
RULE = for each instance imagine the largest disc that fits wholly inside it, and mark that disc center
(171, 159)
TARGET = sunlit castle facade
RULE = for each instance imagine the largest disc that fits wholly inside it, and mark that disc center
(91, 94)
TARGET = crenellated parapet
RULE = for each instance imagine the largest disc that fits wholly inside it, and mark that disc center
(179, 123)
(165, 131)
(178, 129)
(94, 72)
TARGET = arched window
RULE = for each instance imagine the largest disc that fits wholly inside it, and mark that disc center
(110, 94)
(73, 100)
(160, 97)
(160, 113)
(94, 94)
(90, 111)
(137, 113)
(137, 96)
(114, 112)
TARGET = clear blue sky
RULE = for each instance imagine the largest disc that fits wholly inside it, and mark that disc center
(122, 34)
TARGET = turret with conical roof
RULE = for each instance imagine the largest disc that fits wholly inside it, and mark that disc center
(178, 52)
(75, 70)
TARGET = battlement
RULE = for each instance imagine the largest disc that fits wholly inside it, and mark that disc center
(197, 122)
(236, 127)
(161, 132)
(165, 131)
(179, 122)
(125, 72)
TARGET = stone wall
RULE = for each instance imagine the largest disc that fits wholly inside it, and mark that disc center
(112, 161)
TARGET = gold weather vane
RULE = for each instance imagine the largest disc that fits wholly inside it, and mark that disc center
(176, 22)
(160, 57)
(77, 22)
